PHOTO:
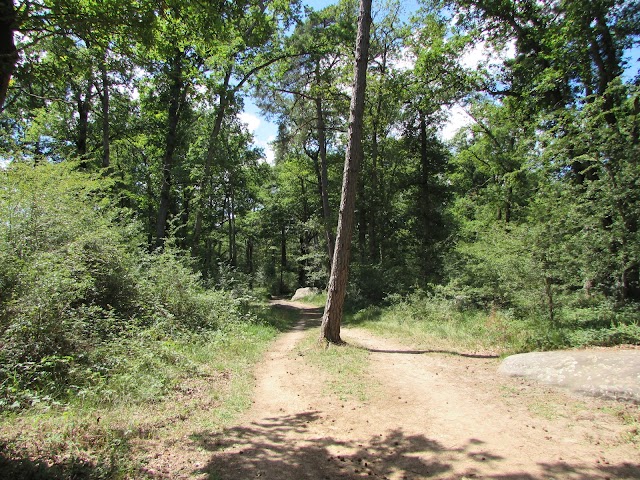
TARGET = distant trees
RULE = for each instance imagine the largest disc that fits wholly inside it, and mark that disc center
(548, 148)
(531, 207)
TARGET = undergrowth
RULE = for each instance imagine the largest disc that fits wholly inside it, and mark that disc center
(162, 389)
(104, 344)
(436, 322)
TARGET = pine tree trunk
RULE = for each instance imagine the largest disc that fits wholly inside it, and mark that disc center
(332, 317)
(324, 178)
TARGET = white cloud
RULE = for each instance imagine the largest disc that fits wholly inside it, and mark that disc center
(405, 61)
(269, 154)
(482, 54)
(250, 120)
(458, 118)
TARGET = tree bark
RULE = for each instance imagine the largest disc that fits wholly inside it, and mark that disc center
(324, 178)
(8, 51)
(304, 237)
(223, 103)
(374, 201)
(233, 249)
(283, 254)
(83, 102)
(176, 94)
(106, 148)
(332, 318)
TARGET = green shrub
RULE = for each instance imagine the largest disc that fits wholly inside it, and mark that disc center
(84, 309)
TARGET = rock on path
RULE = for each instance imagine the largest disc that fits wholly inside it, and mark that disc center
(611, 373)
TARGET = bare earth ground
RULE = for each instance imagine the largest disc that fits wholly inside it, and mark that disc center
(428, 415)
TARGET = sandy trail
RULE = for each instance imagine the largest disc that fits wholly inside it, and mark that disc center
(430, 415)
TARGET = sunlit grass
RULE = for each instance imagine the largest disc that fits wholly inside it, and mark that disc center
(317, 300)
(181, 387)
(436, 324)
(345, 365)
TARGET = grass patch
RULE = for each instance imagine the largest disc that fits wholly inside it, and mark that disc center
(433, 321)
(345, 366)
(161, 391)
(630, 417)
(317, 300)
(435, 324)
(280, 318)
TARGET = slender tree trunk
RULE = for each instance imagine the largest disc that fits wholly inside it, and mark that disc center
(283, 255)
(424, 166)
(83, 103)
(332, 318)
(374, 204)
(374, 201)
(549, 294)
(150, 203)
(363, 220)
(106, 148)
(211, 151)
(304, 251)
(184, 217)
(8, 51)
(233, 249)
(176, 94)
(304, 237)
(249, 255)
(324, 178)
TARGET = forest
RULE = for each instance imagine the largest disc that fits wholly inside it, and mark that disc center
(138, 216)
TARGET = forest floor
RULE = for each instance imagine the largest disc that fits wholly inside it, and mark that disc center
(441, 415)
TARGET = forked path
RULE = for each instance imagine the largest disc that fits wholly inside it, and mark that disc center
(428, 415)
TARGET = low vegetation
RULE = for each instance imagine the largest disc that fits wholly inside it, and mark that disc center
(105, 344)
(345, 366)
(163, 391)
(436, 321)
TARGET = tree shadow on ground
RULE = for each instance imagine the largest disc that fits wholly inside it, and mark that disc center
(422, 352)
(266, 450)
(18, 466)
(290, 317)
(284, 448)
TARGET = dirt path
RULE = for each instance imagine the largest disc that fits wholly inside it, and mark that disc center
(431, 415)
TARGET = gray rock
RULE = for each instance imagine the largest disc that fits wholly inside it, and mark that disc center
(304, 292)
(610, 373)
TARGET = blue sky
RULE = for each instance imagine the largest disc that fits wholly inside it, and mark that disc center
(265, 131)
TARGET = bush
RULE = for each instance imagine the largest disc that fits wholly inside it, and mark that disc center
(82, 303)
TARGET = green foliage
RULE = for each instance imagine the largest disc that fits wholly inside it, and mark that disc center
(447, 321)
(434, 322)
(84, 307)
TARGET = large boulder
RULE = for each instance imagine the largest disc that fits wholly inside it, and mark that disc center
(305, 292)
(611, 373)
